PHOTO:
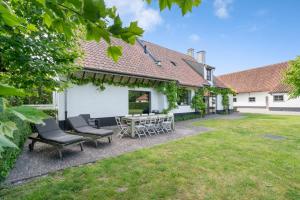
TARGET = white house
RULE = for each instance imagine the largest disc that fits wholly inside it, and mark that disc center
(144, 63)
(261, 90)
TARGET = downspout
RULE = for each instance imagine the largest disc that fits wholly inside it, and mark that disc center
(66, 107)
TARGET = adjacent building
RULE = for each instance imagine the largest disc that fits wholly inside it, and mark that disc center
(261, 89)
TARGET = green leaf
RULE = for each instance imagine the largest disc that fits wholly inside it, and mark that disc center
(4, 142)
(43, 2)
(93, 9)
(165, 3)
(6, 90)
(47, 20)
(32, 27)
(29, 114)
(114, 52)
(7, 128)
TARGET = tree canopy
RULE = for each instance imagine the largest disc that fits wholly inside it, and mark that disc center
(292, 77)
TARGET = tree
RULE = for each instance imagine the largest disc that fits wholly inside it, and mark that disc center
(292, 77)
(38, 44)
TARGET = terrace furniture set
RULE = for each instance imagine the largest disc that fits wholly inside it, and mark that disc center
(144, 125)
(83, 129)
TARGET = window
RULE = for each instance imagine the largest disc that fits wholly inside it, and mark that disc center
(139, 102)
(251, 99)
(184, 97)
(278, 98)
(234, 99)
(208, 74)
(173, 63)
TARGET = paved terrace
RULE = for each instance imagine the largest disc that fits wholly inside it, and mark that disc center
(44, 158)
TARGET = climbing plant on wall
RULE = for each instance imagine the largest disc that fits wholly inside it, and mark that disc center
(198, 102)
(224, 92)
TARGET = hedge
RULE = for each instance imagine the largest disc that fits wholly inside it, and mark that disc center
(139, 105)
(187, 116)
(10, 155)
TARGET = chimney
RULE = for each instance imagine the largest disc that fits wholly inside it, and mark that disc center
(201, 57)
(190, 52)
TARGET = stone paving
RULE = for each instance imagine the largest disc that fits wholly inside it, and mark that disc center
(44, 158)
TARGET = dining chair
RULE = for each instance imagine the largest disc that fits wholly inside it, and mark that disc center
(123, 128)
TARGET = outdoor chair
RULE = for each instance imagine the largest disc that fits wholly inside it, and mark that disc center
(167, 125)
(158, 125)
(150, 126)
(140, 128)
(122, 127)
(50, 133)
(144, 115)
(81, 127)
(94, 122)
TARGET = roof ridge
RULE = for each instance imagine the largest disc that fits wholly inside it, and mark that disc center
(255, 68)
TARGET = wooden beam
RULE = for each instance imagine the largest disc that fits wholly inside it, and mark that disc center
(103, 79)
(129, 78)
(121, 79)
(83, 74)
(94, 77)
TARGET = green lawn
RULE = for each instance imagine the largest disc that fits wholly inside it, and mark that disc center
(234, 161)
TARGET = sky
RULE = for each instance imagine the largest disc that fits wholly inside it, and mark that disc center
(236, 34)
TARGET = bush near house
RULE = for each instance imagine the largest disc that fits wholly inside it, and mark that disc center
(9, 155)
(188, 116)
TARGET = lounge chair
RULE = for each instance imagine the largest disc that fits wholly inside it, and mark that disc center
(50, 133)
(82, 128)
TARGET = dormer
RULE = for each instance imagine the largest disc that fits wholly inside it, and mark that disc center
(208, 71)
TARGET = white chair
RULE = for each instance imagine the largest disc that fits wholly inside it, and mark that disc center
(158, 125)
(122, 127)
(167, 125)
(140, 128)
(150, 126)
(144, 115)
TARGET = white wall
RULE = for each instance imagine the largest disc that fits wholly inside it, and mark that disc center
(184, 108)
(243, 99)
(219, 102)
(113, 101)
(292, 103)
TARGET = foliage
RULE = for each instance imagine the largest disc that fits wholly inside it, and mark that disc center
(224, 92)
(187, 116)
(292, 77)
(231, 161)
(9, 155)
(7, 128)
(198, 101)
(170, 90)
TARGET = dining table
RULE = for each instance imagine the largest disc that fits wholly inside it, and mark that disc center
(132, 121)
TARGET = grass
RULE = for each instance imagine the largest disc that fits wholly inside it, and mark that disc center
(234, 161)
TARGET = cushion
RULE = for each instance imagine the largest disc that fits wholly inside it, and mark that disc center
(94, 131)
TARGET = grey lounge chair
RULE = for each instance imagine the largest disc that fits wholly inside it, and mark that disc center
(50, 133)
(81, 127)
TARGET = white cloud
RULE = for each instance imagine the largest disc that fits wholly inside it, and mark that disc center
(194, 37)
(222, 8)
(137, 10)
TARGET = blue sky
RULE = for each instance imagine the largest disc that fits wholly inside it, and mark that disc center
(236, 34)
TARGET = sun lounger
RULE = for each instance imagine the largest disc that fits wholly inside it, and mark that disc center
(50, 133)
(81, 127)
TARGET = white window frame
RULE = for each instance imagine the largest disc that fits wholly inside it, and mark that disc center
(251, 98)
(278, 95)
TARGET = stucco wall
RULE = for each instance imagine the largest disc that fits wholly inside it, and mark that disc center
(243, 99)
(292, 103)
(113, 101)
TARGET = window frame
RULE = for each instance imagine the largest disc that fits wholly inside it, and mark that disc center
(208, 75)
(187, 99)
(234, 99)
(251, 101)
(278, 100)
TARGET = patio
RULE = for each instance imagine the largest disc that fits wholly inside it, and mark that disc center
(44, 158)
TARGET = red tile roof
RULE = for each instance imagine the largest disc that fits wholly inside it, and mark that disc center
(135, 62)
(262, 79)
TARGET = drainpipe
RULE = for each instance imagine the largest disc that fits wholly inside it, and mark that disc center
(66, 106)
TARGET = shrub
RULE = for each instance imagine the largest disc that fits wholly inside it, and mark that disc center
(187, 116)
(9, 155)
